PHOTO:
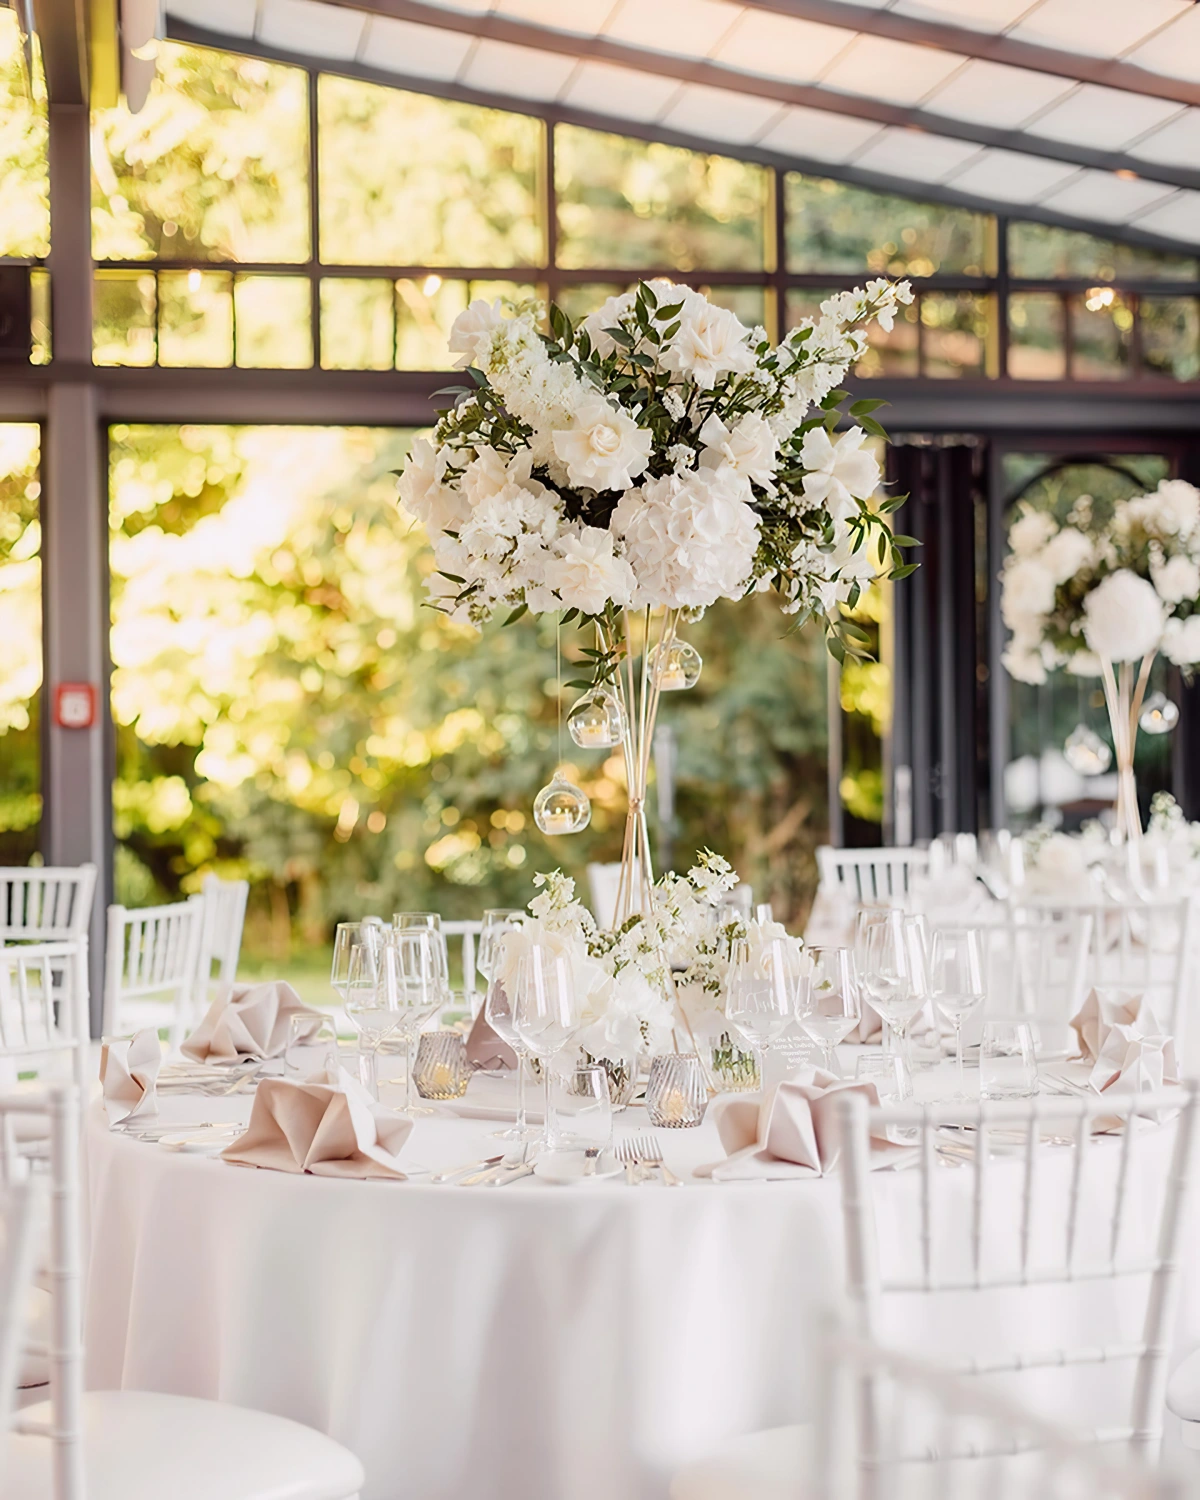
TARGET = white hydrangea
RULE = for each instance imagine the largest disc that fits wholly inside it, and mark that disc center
(1181, 641)
(1066, 554)
(1030, 532)
(1123, 617)
(1177, 579)
(585, 571)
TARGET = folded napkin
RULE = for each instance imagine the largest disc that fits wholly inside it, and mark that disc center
(249, 1021)
(485, 1047)
(1124, 1050)
(128, 1073)
(1132, 1063)
(328, 1125)
(791, 1132)
(1105, 1009)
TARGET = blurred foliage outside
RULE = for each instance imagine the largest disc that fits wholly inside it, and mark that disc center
(21, 632)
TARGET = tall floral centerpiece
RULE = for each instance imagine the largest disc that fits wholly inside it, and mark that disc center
(630, 471)
(1100, 598)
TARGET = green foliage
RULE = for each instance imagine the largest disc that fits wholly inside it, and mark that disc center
(24, 179)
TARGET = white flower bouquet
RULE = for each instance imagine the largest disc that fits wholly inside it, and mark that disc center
(1098, 591)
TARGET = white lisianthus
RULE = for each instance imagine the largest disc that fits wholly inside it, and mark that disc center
(437, 506)
(749, 447)
(586, 573)
(602, 447)
(471, 331)
(690, 538)
(1181, 641)
(711, 342)
(1067, 554)
(1030, 532)
(1176, 579)
(840, 473)
(1028, 592)
(1123, 617)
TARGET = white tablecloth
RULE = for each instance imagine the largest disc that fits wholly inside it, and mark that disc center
(524, 1343)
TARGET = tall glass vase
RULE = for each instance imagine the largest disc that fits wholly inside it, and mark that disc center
(1124, 693)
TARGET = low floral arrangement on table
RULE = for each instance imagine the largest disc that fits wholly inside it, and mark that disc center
(1101, 597)
(655, 458)
(1081, 866)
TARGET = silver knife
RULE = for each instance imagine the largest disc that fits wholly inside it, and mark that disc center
(512, 1175)
(471, 1166)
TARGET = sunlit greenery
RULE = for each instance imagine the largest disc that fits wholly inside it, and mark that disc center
(24, 179)
(21, 633)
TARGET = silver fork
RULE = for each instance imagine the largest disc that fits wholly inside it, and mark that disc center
(627, 1155)
(651, 1156)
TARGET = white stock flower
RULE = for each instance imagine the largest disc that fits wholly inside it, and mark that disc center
(1123, 617)
(1066, 554)
(602, 447)
(1176, 579)
(586, 573)
(437, 506)
(1030, 532)
(1027, 591)
(840, 473)
(711, 342)
(749, 447)
(690, 538)
(471, 331)
(1181, 641)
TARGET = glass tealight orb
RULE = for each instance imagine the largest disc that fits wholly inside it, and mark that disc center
(681, 666)
(562, 807)
(1159, 715)
(596, 721)
(1085, 752)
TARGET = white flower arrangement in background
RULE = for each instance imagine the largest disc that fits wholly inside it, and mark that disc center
(659, 454)
(1088, 591)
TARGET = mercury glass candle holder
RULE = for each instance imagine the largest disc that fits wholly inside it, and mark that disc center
(677, 1095)
(441, 1070)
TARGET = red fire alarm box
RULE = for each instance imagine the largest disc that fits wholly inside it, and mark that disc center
(74, 705)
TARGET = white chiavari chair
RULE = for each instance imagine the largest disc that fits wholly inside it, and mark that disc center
(220, 935)
(468, 933)
(44, 1010)
(150, 968)
(42, 904)
(871, 875)
(136, 1445)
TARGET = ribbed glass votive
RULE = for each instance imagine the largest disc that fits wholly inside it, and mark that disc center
(676, 1096)
(441, 1070)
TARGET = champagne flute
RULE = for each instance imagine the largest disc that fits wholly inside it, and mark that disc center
(546, 1013)
(498, 1012)
(889, 956)
(420, 981)
(828, 1004)
(956, 982)
(760, 1001)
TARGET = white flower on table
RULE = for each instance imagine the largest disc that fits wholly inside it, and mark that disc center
(711, 342)
(749, 447)
(840, 473)
(1123, 617)
(602, 446)
(585, 571)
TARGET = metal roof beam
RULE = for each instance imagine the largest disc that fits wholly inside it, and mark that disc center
(1113, 73)
(810, 96)
(62, 30)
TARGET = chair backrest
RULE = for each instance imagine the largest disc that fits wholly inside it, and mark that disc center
(220, 933)
(60, 1107)
(468, 932)
(993, 1234)
(44, 1007)
(871, 874)
(892, 1425)
(150, 966)
(39, 904)
(1037, 965)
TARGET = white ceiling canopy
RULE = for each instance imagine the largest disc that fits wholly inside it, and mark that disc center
(1084, 110)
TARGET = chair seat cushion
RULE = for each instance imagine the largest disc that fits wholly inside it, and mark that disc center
(140, 1445)
(770, 1465)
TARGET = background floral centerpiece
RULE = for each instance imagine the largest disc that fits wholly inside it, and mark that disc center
(1101, 596)
(654, 459)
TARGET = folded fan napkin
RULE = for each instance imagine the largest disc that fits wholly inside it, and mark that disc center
(1130, 1062)
(248, 1021)
(486, 1049)
(128, 1074)
(1102, 1010)
(329, 1126)
(792, 1132)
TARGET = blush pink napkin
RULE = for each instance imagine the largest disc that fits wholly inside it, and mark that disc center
(250, 1021)
(328, 1126)
(792, 1132)
(1123, 1049)
(129, 1075)
(486, 1049)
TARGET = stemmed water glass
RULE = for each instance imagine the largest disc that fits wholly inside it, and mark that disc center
(828, 1005)
(889, 950)
(351, 938)
(416, 957)
(761, 998)
(956, 982)
(429, 922)
(496, 922)
(546, 1012)
(498, 1011)
(370, 1001)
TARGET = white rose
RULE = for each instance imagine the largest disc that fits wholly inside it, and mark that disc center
(750, 448)
(1181, 641)
(471, 331)
(1176, 580)
(1066, 553)
(437, 506)
(1178, 506)
(840, 473)
(586, 573)
(1123, 617)
(711, 342)
(1027, 591)
(602, 447)
(1030, 532)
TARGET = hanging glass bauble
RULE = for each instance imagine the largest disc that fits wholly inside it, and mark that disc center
(562, 807)
(1086, 753)
(1159, 715)
(596, 721)
(681, 666)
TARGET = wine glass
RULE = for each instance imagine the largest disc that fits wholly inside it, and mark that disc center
(349, 938)
(496, 921)
(416, 956)
(761, 995)
(498, 1012)
(827, 1002)
(428, 922)
(546, 1012)
(890, 958)
(956, 982)
(370, 1001)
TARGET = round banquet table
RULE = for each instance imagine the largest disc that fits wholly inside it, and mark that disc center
(530, 1342)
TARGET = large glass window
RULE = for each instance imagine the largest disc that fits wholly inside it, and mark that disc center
(24, 176)
(832, 226)
(21, 632)
(1040, 252)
